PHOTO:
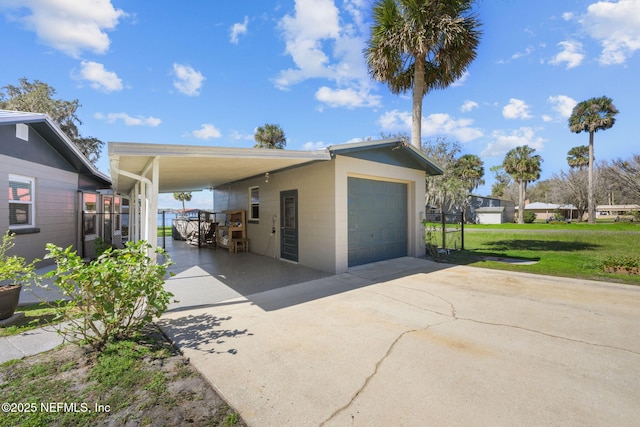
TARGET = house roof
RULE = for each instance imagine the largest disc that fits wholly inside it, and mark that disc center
(546, 206)
(490, 209)
(391, 151)
(51, 132)
(192, 168)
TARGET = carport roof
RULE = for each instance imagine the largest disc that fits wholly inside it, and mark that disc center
(192, 168)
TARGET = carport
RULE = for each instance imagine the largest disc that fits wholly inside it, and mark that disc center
(142, 171)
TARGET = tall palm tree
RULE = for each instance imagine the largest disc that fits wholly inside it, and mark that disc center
(591, 116)
(469, 168)
(578, 157)
(524, 167)
(270, 136)
(183, 197)
(421, 45)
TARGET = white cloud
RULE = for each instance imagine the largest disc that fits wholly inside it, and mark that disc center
(68, 25)
(461, 80)
(567, 16)
(528, 51)
(434, 124)
(312, 146)
(349, 98)
(503, 142)
(314, 22)
(468, 105)
(238, 29)
(571, 53)
(206, 131)
(617, 26)
(326, 42)
(562, 104)
(100, 78)
(516, 109)
(188, 81)
(129, 120)
(238, 136)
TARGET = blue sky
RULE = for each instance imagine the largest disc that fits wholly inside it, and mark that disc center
(209, 73)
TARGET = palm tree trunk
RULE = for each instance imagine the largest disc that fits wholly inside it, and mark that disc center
(521, 197)
(418, 90)
(590, 205)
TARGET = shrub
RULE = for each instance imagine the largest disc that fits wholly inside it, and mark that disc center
(117, 293)
(625, 261)
(529, 217)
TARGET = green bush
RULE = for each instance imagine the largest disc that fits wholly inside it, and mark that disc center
(529, 217)
(117, 293)
(622, 261)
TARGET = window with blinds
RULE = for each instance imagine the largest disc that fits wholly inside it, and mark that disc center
(21, 201)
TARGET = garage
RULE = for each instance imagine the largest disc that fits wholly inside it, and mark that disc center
(378, 218)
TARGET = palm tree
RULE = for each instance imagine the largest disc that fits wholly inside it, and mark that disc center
(421, 45)
(469, 168)
(578, 157)
(592, 115)
(183, 196)
(524, 167)
(270, 136)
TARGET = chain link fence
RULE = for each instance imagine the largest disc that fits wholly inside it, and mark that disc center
(442, 233)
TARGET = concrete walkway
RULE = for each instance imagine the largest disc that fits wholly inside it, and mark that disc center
(410, 342)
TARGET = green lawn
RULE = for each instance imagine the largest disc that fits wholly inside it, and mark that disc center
(164, 231)
(570, 250)
(35, 316)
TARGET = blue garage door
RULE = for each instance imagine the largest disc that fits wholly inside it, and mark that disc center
(377, 220)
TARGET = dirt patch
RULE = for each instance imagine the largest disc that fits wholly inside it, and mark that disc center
(177, 396)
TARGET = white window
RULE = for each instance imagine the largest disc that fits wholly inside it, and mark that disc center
(21, 201)
(254, 203)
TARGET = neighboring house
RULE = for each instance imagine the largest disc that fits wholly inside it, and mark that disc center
(490, 210)
(480, 210)
(50, 183)
(545, 211)
(329, 209)
(617, 212)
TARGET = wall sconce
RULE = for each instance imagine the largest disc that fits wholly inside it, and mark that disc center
(266, 177)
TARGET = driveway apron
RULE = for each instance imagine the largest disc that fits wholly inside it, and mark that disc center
(411, 342)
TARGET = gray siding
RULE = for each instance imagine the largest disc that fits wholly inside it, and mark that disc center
(55, 206)
(36, 149)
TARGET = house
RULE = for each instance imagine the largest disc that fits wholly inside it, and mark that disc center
(546, 211)
(329, 209)
(617, 212)
(55, 195)
(490, 210)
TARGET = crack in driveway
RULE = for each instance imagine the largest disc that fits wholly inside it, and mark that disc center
(482, 322)
(375, 371)
(453, 317)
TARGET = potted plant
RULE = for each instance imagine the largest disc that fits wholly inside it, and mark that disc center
(14, 271)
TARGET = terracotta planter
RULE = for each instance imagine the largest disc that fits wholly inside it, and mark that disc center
(9, 297)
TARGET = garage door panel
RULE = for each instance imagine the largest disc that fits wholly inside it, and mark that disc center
(377, 220)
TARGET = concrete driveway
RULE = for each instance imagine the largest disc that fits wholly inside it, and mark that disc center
(410, 342)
